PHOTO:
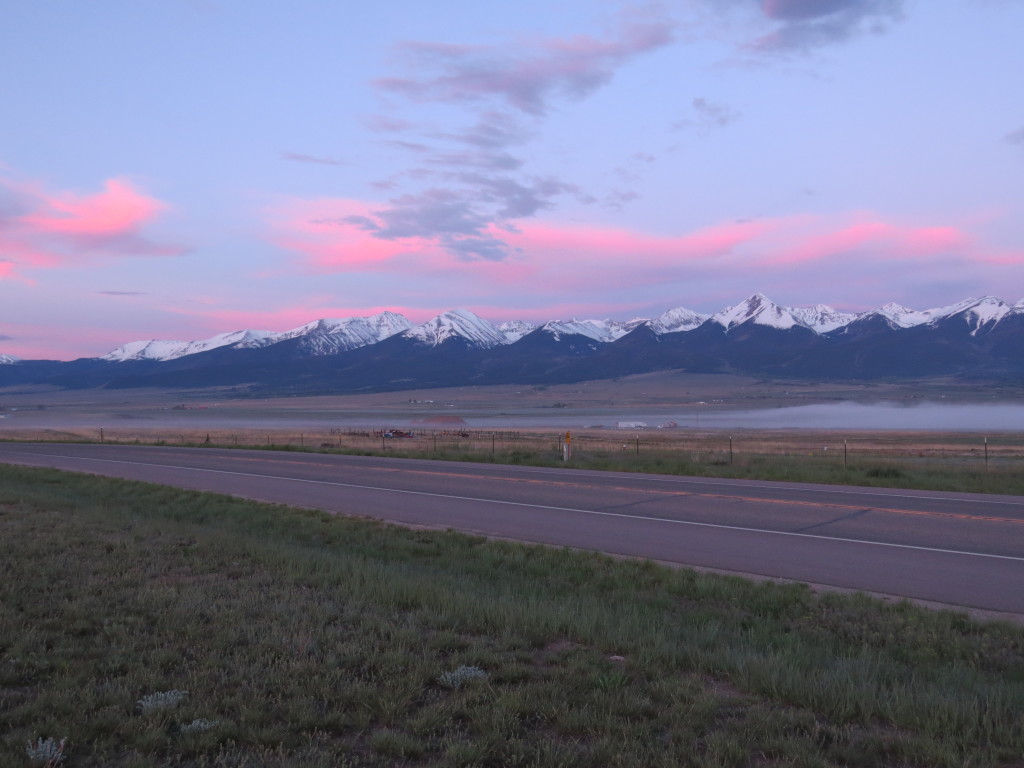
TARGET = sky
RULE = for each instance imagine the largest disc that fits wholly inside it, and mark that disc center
(175, 169)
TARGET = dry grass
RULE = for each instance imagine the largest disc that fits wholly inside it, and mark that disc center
(862, 445)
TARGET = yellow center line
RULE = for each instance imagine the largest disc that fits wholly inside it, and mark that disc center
(692, 494)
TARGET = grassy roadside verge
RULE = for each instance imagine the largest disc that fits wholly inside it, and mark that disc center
(879, 472)
(152, 626)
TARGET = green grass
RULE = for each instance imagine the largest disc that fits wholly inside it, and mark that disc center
(304, 639)
(934, 474)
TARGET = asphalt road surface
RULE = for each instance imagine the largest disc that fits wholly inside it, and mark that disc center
(957, 549)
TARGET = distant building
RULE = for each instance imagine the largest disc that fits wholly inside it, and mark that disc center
(632, 425)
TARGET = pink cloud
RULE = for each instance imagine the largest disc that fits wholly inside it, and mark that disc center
(289, 317)
(616, 244)
(117, 209)
(327, 233)
(554, 270)
(866, 239)
(551, 257)
(33, 341)
(55, 229)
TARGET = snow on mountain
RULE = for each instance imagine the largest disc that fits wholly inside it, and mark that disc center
(170, 350)
(457, 323)
(598, 330)
(145, 350)
(514, 330)
(325, 337)
(821, 318)
(8, 359)
(621, 327)
(328, 337)
(758, 309)
(676, 320)
(976, 312)
(899, 316)
(322, 337)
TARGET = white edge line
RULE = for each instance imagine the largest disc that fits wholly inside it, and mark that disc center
(555, 509)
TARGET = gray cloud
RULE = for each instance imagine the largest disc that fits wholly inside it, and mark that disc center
(1016, 137)
(795, 10)
(618, 199)
(385, 124)
(484, 146)
(494, 161)
(514, 200)
(300, 158)
(461, 219)
(121, 293)
(5, 337)
(713, 113)
(808, 24)
(494, 130)
(525, 79)
(429, 213)
(469, 248)
(411, 146)
(707, 115)
(476, 181)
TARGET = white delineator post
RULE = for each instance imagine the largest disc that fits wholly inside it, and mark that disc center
(567, 447)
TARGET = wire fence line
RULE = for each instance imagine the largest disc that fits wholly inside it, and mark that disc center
(709, 446)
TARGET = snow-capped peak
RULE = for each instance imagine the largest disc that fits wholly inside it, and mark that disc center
(320, 337)
(758, 309)
(514, 330)
(331, 336)
(328, 337)
(900, 316)
(821, 318)
(977, 312)
(8, 359)
(169, 350)
(598, 330)
(677, 320)
(459, 323)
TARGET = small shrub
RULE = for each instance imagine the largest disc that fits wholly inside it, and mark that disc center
(47, 752)
(199, 725)
(459, 677)
(155, 702)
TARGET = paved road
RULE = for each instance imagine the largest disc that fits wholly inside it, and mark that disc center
(958, 549)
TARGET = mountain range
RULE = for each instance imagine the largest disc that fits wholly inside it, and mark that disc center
(980, 339)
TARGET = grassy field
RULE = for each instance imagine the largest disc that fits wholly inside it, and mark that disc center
(153, 626)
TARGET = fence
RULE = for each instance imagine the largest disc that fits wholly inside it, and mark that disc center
(708, 446)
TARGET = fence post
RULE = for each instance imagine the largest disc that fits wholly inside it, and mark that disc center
(844, 453)
(986, 453)
(730, 449)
